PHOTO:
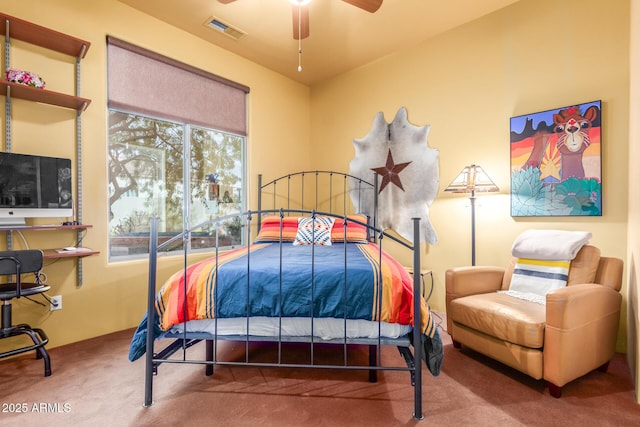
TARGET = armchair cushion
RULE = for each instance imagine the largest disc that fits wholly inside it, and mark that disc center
(584, 266)
(509, 319)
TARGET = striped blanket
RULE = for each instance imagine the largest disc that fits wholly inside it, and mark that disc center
(532, 279)
(353, 281)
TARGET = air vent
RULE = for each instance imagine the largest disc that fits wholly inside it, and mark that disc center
(225, 28)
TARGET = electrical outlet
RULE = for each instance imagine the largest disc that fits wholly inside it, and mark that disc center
(56, 303)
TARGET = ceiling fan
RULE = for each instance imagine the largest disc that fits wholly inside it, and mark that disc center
(300, 12)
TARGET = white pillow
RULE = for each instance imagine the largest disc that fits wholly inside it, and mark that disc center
(532, 279)
(314, 231)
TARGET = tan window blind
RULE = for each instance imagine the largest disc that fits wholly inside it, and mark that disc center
(145, 82)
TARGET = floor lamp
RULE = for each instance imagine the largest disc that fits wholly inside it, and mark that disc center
(472, 178)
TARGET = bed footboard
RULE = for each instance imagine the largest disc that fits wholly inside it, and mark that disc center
(185, 340)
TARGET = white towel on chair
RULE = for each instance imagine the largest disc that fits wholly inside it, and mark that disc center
(552, 245)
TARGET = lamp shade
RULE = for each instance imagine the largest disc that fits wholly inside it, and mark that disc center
(472, 178)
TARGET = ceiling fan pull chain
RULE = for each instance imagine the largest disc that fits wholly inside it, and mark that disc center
(299, 39)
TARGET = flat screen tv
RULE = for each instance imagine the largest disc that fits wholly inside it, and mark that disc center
(34, 187)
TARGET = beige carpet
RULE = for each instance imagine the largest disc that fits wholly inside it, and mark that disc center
(94, 384)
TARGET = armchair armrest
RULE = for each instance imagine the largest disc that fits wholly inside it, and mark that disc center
(581, 330)
(463, 281)
(574, 306)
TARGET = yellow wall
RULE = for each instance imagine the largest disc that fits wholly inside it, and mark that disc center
(531, 56)
(633, 233)
(113, 295)
(466, 83)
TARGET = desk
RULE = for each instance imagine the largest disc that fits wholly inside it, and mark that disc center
(423, 272)
(57, 253)
(53, 253)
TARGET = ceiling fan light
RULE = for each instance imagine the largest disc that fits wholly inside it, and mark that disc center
(299, 2)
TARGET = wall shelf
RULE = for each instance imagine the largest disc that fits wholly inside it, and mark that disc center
(55, 253)
(19, 29)
(44, 227)
(16, 90)
(42, 36)
(15, 28)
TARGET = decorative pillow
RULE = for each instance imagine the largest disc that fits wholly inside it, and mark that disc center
(533, 278)
(314, 231)
(270, 229)
(355, 232)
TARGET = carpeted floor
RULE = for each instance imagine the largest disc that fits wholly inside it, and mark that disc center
(94, 384)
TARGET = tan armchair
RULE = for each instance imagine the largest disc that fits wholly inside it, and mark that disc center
(573, 334)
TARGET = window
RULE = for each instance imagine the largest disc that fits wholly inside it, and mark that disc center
(160, 151)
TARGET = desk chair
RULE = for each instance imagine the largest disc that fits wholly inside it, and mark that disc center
(13, 264)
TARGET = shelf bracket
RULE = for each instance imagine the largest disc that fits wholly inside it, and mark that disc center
(7, 110)
(78, 200)
(7, 64)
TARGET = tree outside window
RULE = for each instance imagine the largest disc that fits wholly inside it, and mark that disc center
(147, 178)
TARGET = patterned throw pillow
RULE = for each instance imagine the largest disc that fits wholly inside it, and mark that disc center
(314, 231)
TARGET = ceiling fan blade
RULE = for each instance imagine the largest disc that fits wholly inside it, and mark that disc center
(368, 5)
(226, 1)
(301, 12)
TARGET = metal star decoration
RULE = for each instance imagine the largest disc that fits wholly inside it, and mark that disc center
(390, 172)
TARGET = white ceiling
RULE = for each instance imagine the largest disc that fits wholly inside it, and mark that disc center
(342, 36)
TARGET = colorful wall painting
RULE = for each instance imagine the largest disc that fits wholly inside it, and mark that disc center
(556, 167)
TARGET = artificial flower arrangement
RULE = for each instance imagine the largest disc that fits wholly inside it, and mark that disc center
(26, 78)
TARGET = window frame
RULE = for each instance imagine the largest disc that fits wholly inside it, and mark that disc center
(187, 187)
(182, 87)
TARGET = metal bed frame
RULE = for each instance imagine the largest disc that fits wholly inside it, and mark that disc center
(184, 340)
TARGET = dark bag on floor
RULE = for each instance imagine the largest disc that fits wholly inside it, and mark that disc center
(432, 352)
